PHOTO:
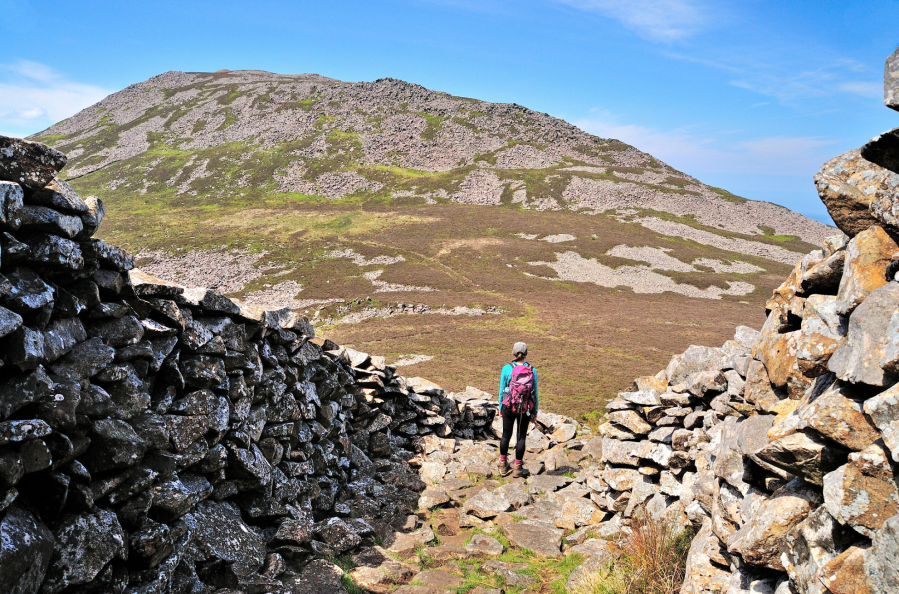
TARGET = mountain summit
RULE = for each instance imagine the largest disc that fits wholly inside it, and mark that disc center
(230, 131)
(388, 211)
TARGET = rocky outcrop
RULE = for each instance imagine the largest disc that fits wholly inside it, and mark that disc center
(157, 438)
(779, 448)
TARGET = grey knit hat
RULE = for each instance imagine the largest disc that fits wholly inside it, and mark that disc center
(520, 348)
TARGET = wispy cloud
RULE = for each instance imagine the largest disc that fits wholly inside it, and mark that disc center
(34, 96)
(658, 20)
(792, 75)
(695, 154)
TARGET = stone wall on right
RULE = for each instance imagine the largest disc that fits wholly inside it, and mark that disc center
(781, 447)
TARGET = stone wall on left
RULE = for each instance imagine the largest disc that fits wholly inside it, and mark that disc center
(156, 438)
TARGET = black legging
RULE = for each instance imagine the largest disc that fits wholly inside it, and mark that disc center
(509, 420)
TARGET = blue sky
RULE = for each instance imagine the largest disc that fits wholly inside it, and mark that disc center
(749, 95)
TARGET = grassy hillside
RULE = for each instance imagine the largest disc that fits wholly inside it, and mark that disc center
(439, 226)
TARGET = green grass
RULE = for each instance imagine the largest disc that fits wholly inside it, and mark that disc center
(727, 195)
(345, 563)
(230, 120)
(433, 127)
(772, 235)
(350, 586)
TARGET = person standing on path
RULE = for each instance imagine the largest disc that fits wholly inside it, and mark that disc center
(518, 403)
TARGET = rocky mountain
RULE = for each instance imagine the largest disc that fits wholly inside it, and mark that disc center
(231, 132)
(384, 209)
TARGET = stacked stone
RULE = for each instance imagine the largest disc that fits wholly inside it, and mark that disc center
(784, 452)
(652, 435)
(155, 438)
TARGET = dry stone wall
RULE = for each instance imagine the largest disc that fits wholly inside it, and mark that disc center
(780, 448)
(156, 438)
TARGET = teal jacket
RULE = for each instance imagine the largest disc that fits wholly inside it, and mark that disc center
(506, 377)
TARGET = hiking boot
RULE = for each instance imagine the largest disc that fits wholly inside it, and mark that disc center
(503, 468)
(520, 471)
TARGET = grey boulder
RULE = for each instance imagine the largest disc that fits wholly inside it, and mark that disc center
(219, 532)
(25, 549)
(29, 164)
(85, 543)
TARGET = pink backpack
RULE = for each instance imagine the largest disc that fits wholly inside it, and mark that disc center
(519, 396)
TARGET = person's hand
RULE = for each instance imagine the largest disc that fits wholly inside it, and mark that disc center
(500, 412)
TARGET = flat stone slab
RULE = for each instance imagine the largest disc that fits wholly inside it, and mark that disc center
(419, 590)
(546, 483)
(541, 510)
(432, 497)
(481, 544)
(403, 542)
(594, 547)
(449, 552)
(438, 578)
(543, 539)
(509, 572)
(487, 504)
(317, 577)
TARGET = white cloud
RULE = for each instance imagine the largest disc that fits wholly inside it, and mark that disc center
(697, 155)
(658, 20)
(33, 96)
(865, 89)
(791, 74)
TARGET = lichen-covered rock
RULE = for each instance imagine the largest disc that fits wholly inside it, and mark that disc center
(630, 419)
(404, 542)
(822, 331)
(10, 205)
(113, 444)
(218, 531)
(846, 573)
(694, 359)
(317, 577)
(92, 219)
(803, 455)
(539, 537)
(705, 573)
(487, 504)
(809, 547)
(883, 150)
(847, 185)
(54, 252)
(824, 277)
(29, 164)
(778, 352)
(26, 545)
(48, 220)
(863, 492)
(867, 257)
(482, 544)
(870, 354)
(762, 533)
(840, 418)
(577, 512)
(883, 410)
(627, 453)
(882, 559)
(85, 543)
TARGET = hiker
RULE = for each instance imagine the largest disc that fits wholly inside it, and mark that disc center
(518, 402)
